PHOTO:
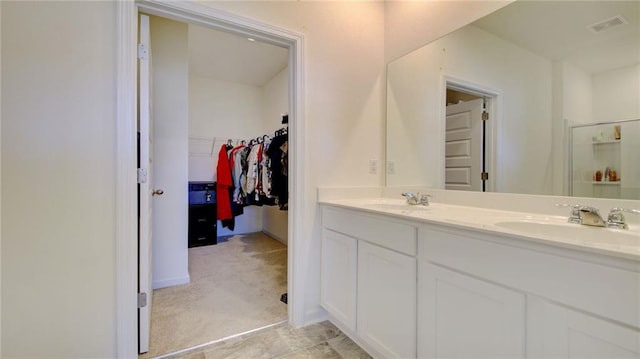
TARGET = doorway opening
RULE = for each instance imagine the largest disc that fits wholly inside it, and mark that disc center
(470, 122)
(224, 95)
(193, 13)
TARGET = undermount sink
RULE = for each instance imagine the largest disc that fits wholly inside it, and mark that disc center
(572, 231)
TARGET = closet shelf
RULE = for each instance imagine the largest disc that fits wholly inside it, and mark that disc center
(605, 142)
(607, 183)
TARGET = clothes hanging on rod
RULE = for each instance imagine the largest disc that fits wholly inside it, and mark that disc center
(257, 171)
(279, 165)
(224, 184)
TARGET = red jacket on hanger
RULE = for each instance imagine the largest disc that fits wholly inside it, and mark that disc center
(223, 184)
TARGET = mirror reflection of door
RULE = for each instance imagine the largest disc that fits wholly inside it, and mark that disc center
(464, 141)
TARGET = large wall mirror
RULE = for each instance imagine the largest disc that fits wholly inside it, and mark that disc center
(495, 105)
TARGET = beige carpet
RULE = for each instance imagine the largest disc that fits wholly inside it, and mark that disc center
(235, 287)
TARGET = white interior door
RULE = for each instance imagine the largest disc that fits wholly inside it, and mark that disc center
(146, 189)
(463, 146)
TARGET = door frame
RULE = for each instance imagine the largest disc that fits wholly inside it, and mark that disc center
(126, 149)
(494, 108)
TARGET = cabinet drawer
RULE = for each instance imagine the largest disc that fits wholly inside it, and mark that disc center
(379, 230)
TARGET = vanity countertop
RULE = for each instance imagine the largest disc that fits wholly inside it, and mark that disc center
(551, 230)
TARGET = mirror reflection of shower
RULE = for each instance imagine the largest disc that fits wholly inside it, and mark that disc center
(603, 160)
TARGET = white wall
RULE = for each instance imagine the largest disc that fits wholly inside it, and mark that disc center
(58, 179)
(416, 99)
(577, 94)
(275, 99)
(573, 104)
(170, 120)
(224, 109)
(221, 109)
(616, 94)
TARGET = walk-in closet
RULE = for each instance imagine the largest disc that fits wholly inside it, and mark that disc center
(219, 104)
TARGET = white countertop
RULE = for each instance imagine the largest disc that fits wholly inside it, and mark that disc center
(553, 230)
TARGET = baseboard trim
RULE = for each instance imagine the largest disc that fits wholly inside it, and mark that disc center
(157, 284)
(315, 315)
(276, 237)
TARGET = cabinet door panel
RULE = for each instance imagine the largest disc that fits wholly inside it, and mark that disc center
(463, 317)
(387, 301)
(339, 265)
(559, 332)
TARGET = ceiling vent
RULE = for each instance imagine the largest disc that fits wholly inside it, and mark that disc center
(607, 24)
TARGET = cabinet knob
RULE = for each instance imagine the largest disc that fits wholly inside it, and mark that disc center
(157, 192)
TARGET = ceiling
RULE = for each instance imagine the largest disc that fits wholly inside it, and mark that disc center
(558, 30)
(228, 57)
(552, 29)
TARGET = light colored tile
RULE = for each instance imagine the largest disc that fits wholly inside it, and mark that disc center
(347, 348)
(318, 351)
(308, 336)
(194, 355)
(267, 344)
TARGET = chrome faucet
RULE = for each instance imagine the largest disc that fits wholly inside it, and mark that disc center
(616, 218)
(586, 215)
(414, 199)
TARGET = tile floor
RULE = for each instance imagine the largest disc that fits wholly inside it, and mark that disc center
(321, 340)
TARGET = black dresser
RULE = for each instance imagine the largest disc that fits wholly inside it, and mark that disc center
(202, 214)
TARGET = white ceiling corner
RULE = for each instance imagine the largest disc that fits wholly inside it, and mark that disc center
(559, 30)
(229, 57)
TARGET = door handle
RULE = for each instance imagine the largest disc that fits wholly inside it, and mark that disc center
(157, 192)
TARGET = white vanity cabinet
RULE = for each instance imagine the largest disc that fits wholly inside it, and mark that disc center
(368, 282)
(490, 296)
(339, 266)
(556, 331)
(408, 288)
(387, 300)
(464, 317)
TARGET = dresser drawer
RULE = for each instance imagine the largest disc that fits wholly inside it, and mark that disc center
(379, 230)
(202, 213)
(202, 225)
